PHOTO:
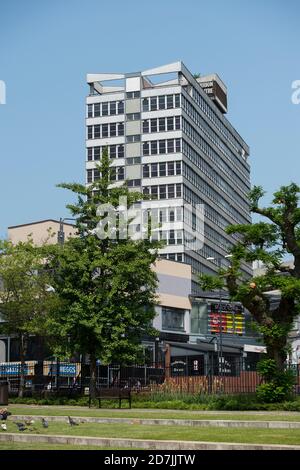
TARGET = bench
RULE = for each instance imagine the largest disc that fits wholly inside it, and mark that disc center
(114, 393)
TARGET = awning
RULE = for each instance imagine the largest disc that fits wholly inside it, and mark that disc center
(254, 348)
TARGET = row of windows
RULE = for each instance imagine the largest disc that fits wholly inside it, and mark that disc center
(207, 149)
(164, 191)
(165, 214)
(210, 113)
(209, 212)
(117, 174)
(217, 199)
(162, 169)
(110, 108)
(161, 124)
(213, 156)
(114, 151)
(171, 237)
(154, 103)
(101, 131)
(133, 160)
(212, 135)
(155, 147)
(209, 233)
(172, 256)
(133, 94)
(197, 266)
(216, 179)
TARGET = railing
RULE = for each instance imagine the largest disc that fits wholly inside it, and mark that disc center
(72, 378)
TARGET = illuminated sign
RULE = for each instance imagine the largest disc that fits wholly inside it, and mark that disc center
(228, 318)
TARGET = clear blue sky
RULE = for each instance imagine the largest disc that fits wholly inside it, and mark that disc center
(47, 47)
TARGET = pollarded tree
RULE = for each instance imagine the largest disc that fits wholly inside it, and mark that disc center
(106, 285)
(268, 241)
(26, 296)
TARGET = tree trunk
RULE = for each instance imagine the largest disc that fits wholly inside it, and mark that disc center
(93, 375)
(22, 368)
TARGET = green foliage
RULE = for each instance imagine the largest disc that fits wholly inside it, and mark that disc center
(269, 241)
(106, 286)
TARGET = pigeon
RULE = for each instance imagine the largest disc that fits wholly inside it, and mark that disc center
(29, 422)
(3, 427)
(45, 423)
(72, 422)
(21, 426)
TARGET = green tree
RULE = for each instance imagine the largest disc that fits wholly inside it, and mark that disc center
(269, 241)
(106, 286)
(25, 295)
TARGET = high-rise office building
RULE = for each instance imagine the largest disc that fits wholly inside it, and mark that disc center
(168, 136)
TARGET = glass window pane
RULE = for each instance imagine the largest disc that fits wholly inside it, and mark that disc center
(170, 123)
(146, 171)
(97, 132)
(169, 101)
(90, 110)
(163, 191)
(170, 145)
(153, 103)
(162, 146)
(104, 109)
(162, 124)
(97, 153)
(145, 127)
(90, 154)
(146, 104)
(161, 102)
(162, 169)
(113, 108)
(146, 148)
(96, 109)
(121, 151)
(170, 168)
(121, 107)
(171, 191)
(120, 128)
(177, 101)
(153, 125)
(113, 129)
(154, 171)
(154, 147)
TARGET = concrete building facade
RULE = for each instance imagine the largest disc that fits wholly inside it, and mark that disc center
(167, 135)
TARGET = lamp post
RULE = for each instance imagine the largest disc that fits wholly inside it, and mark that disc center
(61, 233)
(220, 343)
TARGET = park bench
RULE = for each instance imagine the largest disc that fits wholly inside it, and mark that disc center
(113, 393)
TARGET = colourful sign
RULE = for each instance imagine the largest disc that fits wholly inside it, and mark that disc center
(227, 318)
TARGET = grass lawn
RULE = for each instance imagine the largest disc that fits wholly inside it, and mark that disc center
(45, 446)
(155, 414)
(181, 433)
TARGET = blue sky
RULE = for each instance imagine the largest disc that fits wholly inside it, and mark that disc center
(47, 47)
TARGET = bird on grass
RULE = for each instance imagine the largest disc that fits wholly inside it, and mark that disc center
(21, 426)
(45, 423)
(29, 422)
(72, 422)
(3, 427)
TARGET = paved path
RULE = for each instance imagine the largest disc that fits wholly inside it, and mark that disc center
(230, 423)
(139, 443)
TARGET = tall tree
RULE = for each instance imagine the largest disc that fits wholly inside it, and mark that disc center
(269, 241)
(106, 285)
(25, 295)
